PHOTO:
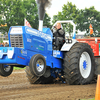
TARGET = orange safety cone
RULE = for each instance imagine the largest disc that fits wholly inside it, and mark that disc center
(97, 94)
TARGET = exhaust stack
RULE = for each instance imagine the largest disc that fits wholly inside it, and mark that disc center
(42, 4)
(40, 25)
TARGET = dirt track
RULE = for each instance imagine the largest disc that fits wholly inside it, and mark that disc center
(16, 87)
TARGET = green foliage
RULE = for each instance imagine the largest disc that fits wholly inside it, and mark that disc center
(69, 12)
(46, 21)
(82, 18)
(1, 41)
(55, 18)
(31, 12)
(13, 13)
(87, 16)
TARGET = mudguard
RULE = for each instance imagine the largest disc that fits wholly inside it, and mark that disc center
(67, 46)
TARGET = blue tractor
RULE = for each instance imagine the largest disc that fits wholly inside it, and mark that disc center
(33, 49)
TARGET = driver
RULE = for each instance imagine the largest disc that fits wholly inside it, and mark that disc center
(59, 35)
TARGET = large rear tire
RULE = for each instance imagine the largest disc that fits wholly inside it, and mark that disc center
(33, 79)
(79, 64)
(5, 70)
(36, 70)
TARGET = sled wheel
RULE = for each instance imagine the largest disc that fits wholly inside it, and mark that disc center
(79, 64)
(5, 70)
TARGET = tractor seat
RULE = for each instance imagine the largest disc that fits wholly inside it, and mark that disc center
(58, 42)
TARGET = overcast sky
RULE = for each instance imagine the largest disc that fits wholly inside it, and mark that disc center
(81, 4)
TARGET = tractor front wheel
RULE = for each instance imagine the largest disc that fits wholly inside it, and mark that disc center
(36, 72)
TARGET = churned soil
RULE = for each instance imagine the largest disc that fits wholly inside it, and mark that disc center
(17, 87)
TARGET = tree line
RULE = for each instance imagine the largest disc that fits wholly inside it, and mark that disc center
(82, 18)
(13, 12)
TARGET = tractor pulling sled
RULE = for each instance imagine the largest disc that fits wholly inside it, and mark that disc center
(75, 63)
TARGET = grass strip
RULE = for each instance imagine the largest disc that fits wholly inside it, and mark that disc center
(88, 99)
(18, 68)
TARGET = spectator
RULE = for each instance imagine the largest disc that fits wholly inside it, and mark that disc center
(6, 44)
(1, 44)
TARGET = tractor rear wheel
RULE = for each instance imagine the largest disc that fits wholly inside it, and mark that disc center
(36, 70)
(33, 79)
(79, 64)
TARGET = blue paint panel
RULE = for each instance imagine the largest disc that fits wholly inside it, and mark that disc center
(58, 54)
(47, 31)
(57, 63)
(5, 55)
(35, 42)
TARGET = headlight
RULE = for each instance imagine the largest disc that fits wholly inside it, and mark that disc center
(10, 53)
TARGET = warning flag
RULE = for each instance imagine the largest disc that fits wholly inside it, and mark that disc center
(91, 29)
(26, 23)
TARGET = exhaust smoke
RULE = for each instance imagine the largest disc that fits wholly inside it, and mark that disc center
(42, 5)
